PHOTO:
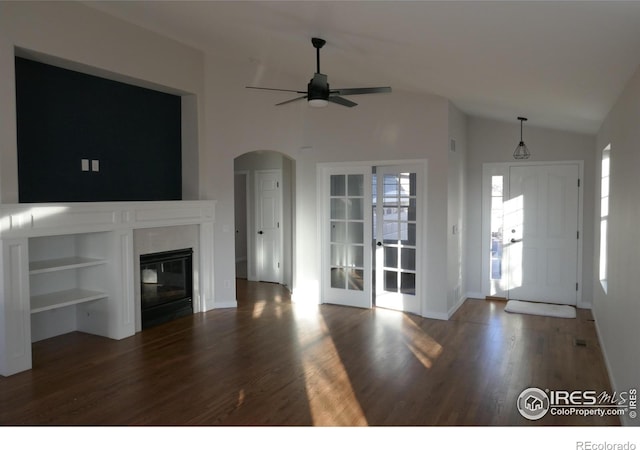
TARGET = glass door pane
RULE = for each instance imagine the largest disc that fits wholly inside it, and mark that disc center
(396, 214)
(349, 228)
(347, 232)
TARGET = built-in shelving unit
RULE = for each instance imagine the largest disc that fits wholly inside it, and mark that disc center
(64, 271)
(70, 267)
(68, 297)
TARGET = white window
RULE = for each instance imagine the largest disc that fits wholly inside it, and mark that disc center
(497, 224)
(604, 214)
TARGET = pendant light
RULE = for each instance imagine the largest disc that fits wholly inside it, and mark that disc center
(521, 152)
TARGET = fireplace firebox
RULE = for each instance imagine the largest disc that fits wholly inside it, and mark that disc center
(166, 286)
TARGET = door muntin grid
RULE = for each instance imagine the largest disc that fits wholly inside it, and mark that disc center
(397, 233)
(347, 235)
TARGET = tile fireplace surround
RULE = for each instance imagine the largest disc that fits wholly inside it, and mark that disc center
(72, 266)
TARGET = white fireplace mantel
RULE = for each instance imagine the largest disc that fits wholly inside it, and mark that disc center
(74, 262)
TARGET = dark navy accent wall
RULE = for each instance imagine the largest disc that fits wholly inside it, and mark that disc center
(66, 116)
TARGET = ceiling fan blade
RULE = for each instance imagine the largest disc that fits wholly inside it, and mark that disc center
(318, 90)
(273, 89)
(292, 100)
(357, 91)
(341, 101)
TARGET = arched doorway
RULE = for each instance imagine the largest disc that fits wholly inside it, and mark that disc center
(264, 196)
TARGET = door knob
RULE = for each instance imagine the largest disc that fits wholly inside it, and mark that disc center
(514, 240)
(260, 232)
(379, 244)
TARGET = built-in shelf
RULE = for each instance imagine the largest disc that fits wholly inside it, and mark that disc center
(66, 270)
(70, 267)
(54, 265)
(61, 299)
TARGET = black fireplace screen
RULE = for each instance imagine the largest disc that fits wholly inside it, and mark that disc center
(166, 286)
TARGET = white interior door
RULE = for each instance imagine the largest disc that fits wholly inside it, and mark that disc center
(346, 196)
(541, 233)
(397, 235)
(268, 229)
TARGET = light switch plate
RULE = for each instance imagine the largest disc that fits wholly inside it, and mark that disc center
(95, 165)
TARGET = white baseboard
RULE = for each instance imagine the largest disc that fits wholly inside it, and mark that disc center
(478, 295)
(624, 419)
(435, 315)
(455, 307)
(225, 304)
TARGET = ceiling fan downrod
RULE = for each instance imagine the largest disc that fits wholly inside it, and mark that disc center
(318, 44)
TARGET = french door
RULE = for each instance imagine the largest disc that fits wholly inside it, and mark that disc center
(397, 238)
(372, 236)
(347, 236)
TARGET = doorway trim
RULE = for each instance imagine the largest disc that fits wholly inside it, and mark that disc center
(497, 169)
(256, 160)
(248, 217)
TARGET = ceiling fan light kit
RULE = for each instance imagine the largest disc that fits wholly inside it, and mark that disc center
(521, 152)
(318, 93)
(318, 102)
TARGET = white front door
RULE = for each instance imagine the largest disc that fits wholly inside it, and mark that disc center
(346, 198)
(268, 228)
(540, 235)
(397, 235)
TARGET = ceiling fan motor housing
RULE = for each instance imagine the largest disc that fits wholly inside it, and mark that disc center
(318, 87)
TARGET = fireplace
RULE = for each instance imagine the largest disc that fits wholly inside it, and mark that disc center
(166, 286)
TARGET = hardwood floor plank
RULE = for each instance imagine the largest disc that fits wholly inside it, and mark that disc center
(270, 362)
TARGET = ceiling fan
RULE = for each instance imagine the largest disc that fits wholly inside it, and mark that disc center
(318, 93)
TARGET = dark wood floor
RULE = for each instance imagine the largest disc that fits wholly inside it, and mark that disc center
(271, 362)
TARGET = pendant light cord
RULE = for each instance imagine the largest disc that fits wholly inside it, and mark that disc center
(521, 130)
(521, 119)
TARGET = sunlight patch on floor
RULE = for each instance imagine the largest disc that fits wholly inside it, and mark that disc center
(332, 401)
(260, 306)
(241, 396)
(424, 347)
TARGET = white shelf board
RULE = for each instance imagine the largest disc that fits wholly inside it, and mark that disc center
(54, 265)
(61, 299)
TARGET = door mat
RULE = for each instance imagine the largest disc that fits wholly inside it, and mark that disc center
(540, 309)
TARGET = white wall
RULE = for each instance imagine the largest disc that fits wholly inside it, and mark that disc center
(617, 311)
(456, 210)
(494, 141)
(381, 128)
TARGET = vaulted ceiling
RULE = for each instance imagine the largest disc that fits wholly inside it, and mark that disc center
(562, 64)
